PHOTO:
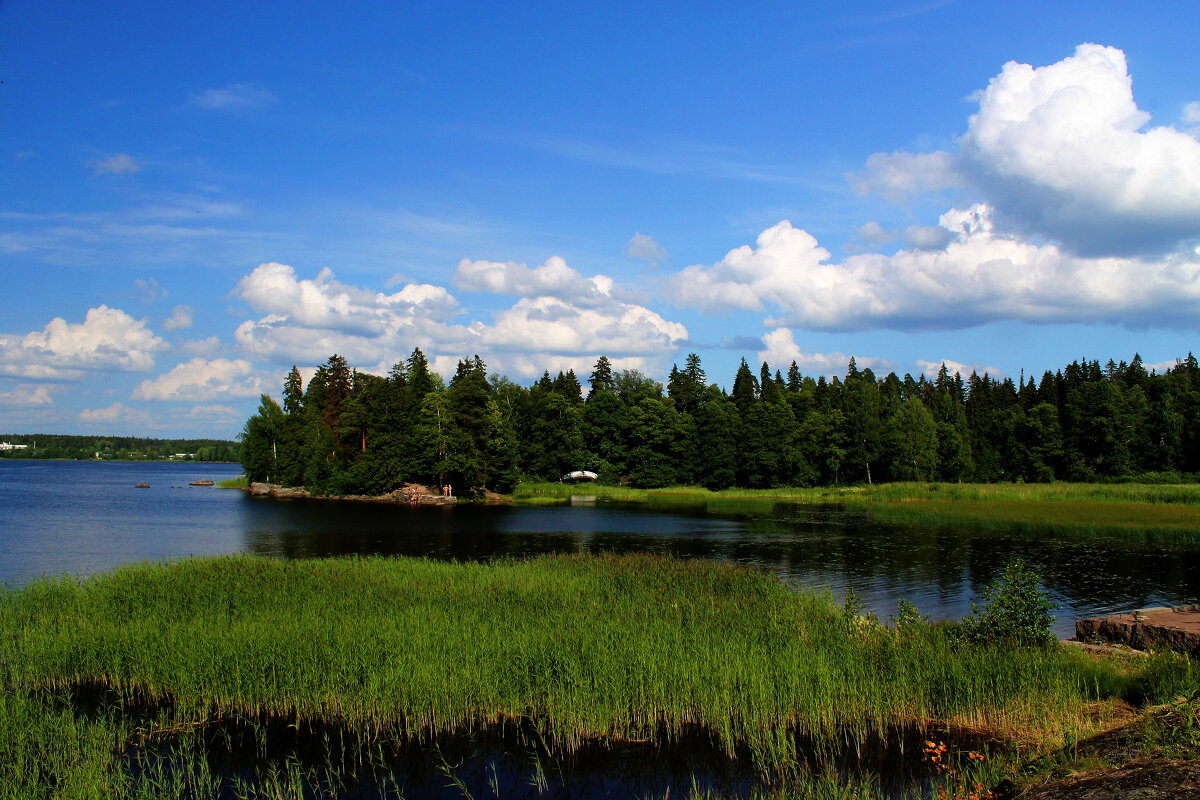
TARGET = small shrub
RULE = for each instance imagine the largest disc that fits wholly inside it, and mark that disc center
(908, 615)
(855, 615)
(1015, 610)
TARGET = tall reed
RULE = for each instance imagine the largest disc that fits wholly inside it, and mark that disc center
(580, 648)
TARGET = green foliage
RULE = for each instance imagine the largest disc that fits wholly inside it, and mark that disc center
(353, 432)
(590, 648)
(1166, 677)
(908, 615)
(1015, 610)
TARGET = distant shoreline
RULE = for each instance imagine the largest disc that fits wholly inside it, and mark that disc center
(119, 460)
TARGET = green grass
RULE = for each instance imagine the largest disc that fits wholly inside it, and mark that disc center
(1080, 506)
(240, 482)
(580, 649)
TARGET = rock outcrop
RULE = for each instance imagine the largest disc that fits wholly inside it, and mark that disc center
(1148, 628)
(409, 494)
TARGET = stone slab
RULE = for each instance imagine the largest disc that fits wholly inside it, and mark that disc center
(1175, 628)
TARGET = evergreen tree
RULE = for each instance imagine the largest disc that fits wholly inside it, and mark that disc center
(293, 393)
(687, 387)
(794, 378)
(745, 389)
(567, 385)
(469, 427)
(419, 380)
(337, 389)
(601, 379)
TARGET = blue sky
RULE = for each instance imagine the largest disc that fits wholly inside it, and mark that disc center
(193, 198)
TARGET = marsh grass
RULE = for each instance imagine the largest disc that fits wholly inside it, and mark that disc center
(1081, 517)
(576, 650)
(240, 482)
(1078, 506)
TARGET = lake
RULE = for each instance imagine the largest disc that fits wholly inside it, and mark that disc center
(82, 517)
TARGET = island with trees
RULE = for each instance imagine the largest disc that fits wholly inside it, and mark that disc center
(350, 432)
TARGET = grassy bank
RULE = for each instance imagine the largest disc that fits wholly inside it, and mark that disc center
(577, 650)
(1117, 506)
(240, 482)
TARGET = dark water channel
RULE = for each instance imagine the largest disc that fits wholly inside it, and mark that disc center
(515, 761)
(82, 518)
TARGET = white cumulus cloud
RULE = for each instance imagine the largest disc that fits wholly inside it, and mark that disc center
(107, 339)
(307, 320)
(780, 350)
(201, 347)
(1063, 152)
(1191, 118)
(555, 327)
(932, 368)
(559, 316)
(200, 379)
(901, 175)
(979, 276)
(875, 234)
(117, 413)
(27, 394)
(554, 278)
(1061, 149)
(181, 317)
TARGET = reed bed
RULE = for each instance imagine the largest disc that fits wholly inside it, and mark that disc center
(1087, 506)
(1176, 494)
(579, 649)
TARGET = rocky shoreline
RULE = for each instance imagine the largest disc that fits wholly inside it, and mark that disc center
(410, 494)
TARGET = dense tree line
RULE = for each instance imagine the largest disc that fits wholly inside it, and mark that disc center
(352, 432)
(46, 445)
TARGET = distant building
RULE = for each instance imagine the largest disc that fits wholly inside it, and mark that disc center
(7, 446)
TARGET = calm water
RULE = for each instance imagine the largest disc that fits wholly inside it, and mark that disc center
(84, 517)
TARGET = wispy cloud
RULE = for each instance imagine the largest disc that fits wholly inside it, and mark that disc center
(116, 164)
(150, 235)
(676, 157)
(149, 290)
(897, 14)
(642, 246)
(117, 413)
(232, 97)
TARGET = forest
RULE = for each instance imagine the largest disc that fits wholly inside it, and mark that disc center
(351, 432)
(124, 448)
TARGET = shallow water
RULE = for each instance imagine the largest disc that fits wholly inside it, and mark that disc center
(83, 517)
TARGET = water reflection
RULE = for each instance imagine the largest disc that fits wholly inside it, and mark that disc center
(940, 568)
(83, 517)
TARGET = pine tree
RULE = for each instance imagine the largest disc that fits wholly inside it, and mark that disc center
(745, 389)
(293, 393)
(601, 379)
